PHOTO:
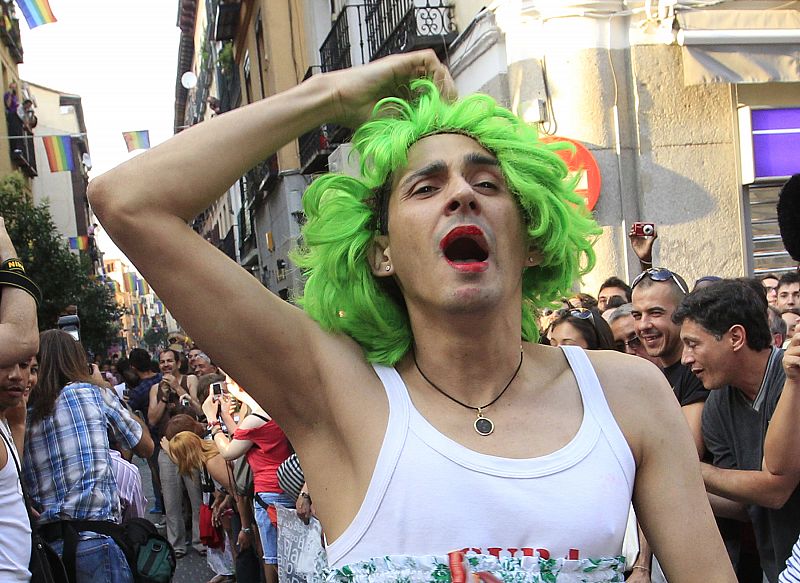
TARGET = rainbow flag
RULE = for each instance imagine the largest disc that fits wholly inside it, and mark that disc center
(139, 140)
(130, 281)
(36, 12)
(59, 153)
(79, 243)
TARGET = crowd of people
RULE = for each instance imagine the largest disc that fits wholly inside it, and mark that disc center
(431, 287)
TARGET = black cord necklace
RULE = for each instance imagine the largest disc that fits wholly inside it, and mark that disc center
(483, 425)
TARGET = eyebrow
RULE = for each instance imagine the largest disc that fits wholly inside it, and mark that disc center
(471, 159)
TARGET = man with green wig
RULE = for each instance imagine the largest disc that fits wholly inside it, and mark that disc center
(438, 439)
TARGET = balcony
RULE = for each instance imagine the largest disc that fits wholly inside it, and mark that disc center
(260, 180)
(400, 26)
(337, 51)
(228, 85)
(9, 32)
(226, 20)
(20, 143)
(247, 243)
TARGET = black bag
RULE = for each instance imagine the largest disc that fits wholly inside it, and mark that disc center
(290, 476)
(45, 564)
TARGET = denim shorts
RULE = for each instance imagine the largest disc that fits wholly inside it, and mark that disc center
(266, 530)
(98, 558)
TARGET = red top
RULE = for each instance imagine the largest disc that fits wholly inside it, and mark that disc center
(270, 449)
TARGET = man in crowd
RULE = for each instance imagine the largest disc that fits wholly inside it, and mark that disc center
(141, 364)
(788, 291)
(19, 341)
(790, 316)
(623, 327)
(657, 292)
(777, 326)
(770, 283)
(437, 225)
(612, 287)
(728, 345)
(203, 365)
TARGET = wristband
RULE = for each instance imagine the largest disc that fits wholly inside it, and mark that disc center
(213, 423)
(247, 530)
(18, 279)
(643, 568)
(13, 264)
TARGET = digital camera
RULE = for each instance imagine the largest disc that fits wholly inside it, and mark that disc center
(644, 229)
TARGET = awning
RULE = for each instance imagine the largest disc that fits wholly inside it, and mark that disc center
(740, 46)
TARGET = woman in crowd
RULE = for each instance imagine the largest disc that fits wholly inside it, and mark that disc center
(583, 327)
(259, 438)
(192, 454)
(67, 464)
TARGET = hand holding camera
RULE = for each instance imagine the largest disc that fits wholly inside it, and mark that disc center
(642, 236)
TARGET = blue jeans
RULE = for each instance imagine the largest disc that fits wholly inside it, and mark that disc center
(266, 530)
(98, 558)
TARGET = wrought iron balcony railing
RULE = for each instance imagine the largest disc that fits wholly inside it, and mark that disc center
(399, 26)
(344, 45)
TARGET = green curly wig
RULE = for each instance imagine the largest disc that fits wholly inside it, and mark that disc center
(342, 213)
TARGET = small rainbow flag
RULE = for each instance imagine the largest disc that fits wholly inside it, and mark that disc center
(130, 281)
(36, 12)
(59, 153)
(139, 140)
(79, 243)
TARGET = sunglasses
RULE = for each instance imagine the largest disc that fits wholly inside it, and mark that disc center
(580, 313)
(633, 343)
(660, 274)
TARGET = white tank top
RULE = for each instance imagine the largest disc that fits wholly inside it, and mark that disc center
(15, 528)
(430, 495)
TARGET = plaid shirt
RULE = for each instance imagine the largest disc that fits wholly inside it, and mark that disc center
(67, 465)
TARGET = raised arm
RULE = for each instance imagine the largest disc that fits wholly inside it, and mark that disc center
(266, 344)
(782, 445)
(19, 333)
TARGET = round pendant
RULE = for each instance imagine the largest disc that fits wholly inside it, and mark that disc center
(484, 426)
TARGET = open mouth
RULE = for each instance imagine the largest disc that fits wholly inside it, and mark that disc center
(466, 248)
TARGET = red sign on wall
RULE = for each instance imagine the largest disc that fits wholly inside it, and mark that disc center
(581, 161)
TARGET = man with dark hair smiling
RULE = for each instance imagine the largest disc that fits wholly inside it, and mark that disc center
(657, 292)
(728, 345)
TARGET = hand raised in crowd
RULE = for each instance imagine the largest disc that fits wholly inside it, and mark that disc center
(211, 407)
(98, 379)
(239, 393)
(643, 246)
(791, 359)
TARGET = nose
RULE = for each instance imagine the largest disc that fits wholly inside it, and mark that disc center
(463, 198)
(686, 357)
(16, 373)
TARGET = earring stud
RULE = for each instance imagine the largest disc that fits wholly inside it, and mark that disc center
(388, 268)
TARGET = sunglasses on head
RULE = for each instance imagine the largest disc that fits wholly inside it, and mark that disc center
(660, 274)
(580, 313)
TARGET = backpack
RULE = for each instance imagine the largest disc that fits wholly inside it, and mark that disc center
(151, 557)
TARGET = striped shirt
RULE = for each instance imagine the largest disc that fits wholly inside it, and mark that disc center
(129, 487)
(67, 464)
(792, 572)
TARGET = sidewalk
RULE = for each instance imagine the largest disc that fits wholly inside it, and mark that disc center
(192, 568)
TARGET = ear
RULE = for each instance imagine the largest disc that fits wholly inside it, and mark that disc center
(534, 257)
(737, 337)
(381, 257)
